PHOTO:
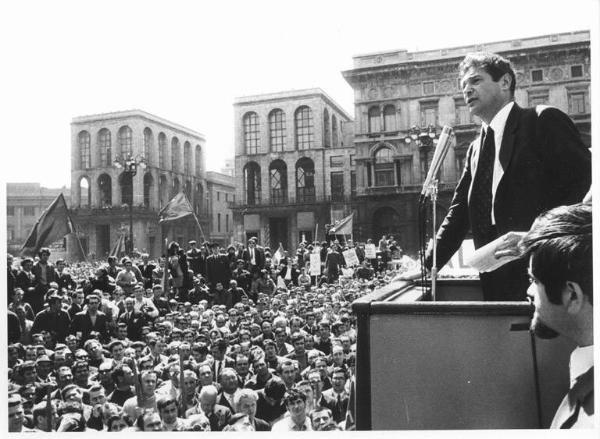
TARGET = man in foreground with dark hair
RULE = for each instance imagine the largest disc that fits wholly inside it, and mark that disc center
(559, 246)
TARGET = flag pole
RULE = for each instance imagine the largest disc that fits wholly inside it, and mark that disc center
(200, 227)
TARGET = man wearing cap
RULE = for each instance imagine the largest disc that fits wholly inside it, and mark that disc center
(16, 415)
(53, 319)
(242, 276)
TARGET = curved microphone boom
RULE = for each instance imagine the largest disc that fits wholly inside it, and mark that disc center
(441, 149)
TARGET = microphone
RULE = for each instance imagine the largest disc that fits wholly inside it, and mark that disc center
(441, 149)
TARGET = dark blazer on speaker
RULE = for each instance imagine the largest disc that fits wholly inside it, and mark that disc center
(545, 165)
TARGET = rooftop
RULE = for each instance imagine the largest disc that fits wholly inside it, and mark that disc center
(135, 113)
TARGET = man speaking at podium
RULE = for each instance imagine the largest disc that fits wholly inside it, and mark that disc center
(524, 162)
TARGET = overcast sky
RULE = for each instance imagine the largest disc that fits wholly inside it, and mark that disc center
(186, 61)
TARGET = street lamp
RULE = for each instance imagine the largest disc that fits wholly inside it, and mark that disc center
(424, 138)
(130, 166)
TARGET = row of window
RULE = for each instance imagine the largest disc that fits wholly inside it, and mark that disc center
(27, 210)
(227, 196)
(125, 149)
(536, 75)
(219, 223)
(385, 121)
(303, 130)
(125, 181)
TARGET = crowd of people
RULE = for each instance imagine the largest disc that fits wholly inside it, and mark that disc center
(204, 339)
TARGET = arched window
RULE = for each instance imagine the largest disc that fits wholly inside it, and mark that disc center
(105, 190)
(326, 133)
(198, 159)
(334, 131)
(278, 181)
(126, 183)
(148, 144)
(85, 192)
(105, 147)
(148, 187)
(252, 183)
(374, 120)
(163, 191)
(304, 128)
(84, 150)
(187, 157)
(187, 189)
(305, 181)
(125, 142)
(277, 130)
(162, 151)
(384, 167)
(176, 187)
(251, 133)
(175, 152)
(389, 118)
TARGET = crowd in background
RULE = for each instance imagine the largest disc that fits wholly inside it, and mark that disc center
(206, 338)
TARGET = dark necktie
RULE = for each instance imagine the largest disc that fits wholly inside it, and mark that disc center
(481, 194)
(577, 396)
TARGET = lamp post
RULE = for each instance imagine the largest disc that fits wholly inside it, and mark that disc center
(130, 166)
(424, 138)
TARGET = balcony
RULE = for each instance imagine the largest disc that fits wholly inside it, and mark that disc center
(115, 211)
(303, 200)
(404, 189)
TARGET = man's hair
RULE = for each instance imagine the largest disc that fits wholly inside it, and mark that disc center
(493, 64)
(275, 388)
(560, 246)
(294, 395)
(319, 409)
(244, 393)
(165, 401)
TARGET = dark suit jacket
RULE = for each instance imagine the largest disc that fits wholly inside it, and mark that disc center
(65, 280)
(217, 270)
(82, 323)
(57, 324)
(261, 425)
(545, 165)
(219, 418)
(222, 401)
(134, 324)
(259, 257)
(329, 400)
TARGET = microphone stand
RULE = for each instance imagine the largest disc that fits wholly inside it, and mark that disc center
(433, 191)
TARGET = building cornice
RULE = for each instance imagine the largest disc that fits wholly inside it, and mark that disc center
(269, 98)
(118, 115)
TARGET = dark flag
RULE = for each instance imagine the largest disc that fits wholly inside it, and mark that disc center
(54, 224)
(178, 207)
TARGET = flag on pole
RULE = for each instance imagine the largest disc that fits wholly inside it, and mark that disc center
(343, 227)
(54, 224)
(178, 207)
(119, 247)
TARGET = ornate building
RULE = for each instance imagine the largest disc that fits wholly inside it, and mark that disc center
(293, 166)
(221, 191)
(106, 198)
(397, 90)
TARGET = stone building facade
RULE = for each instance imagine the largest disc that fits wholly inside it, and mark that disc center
(104, 196)
(25, 202)
(397, 90)
(221, 191)
(293, 166)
